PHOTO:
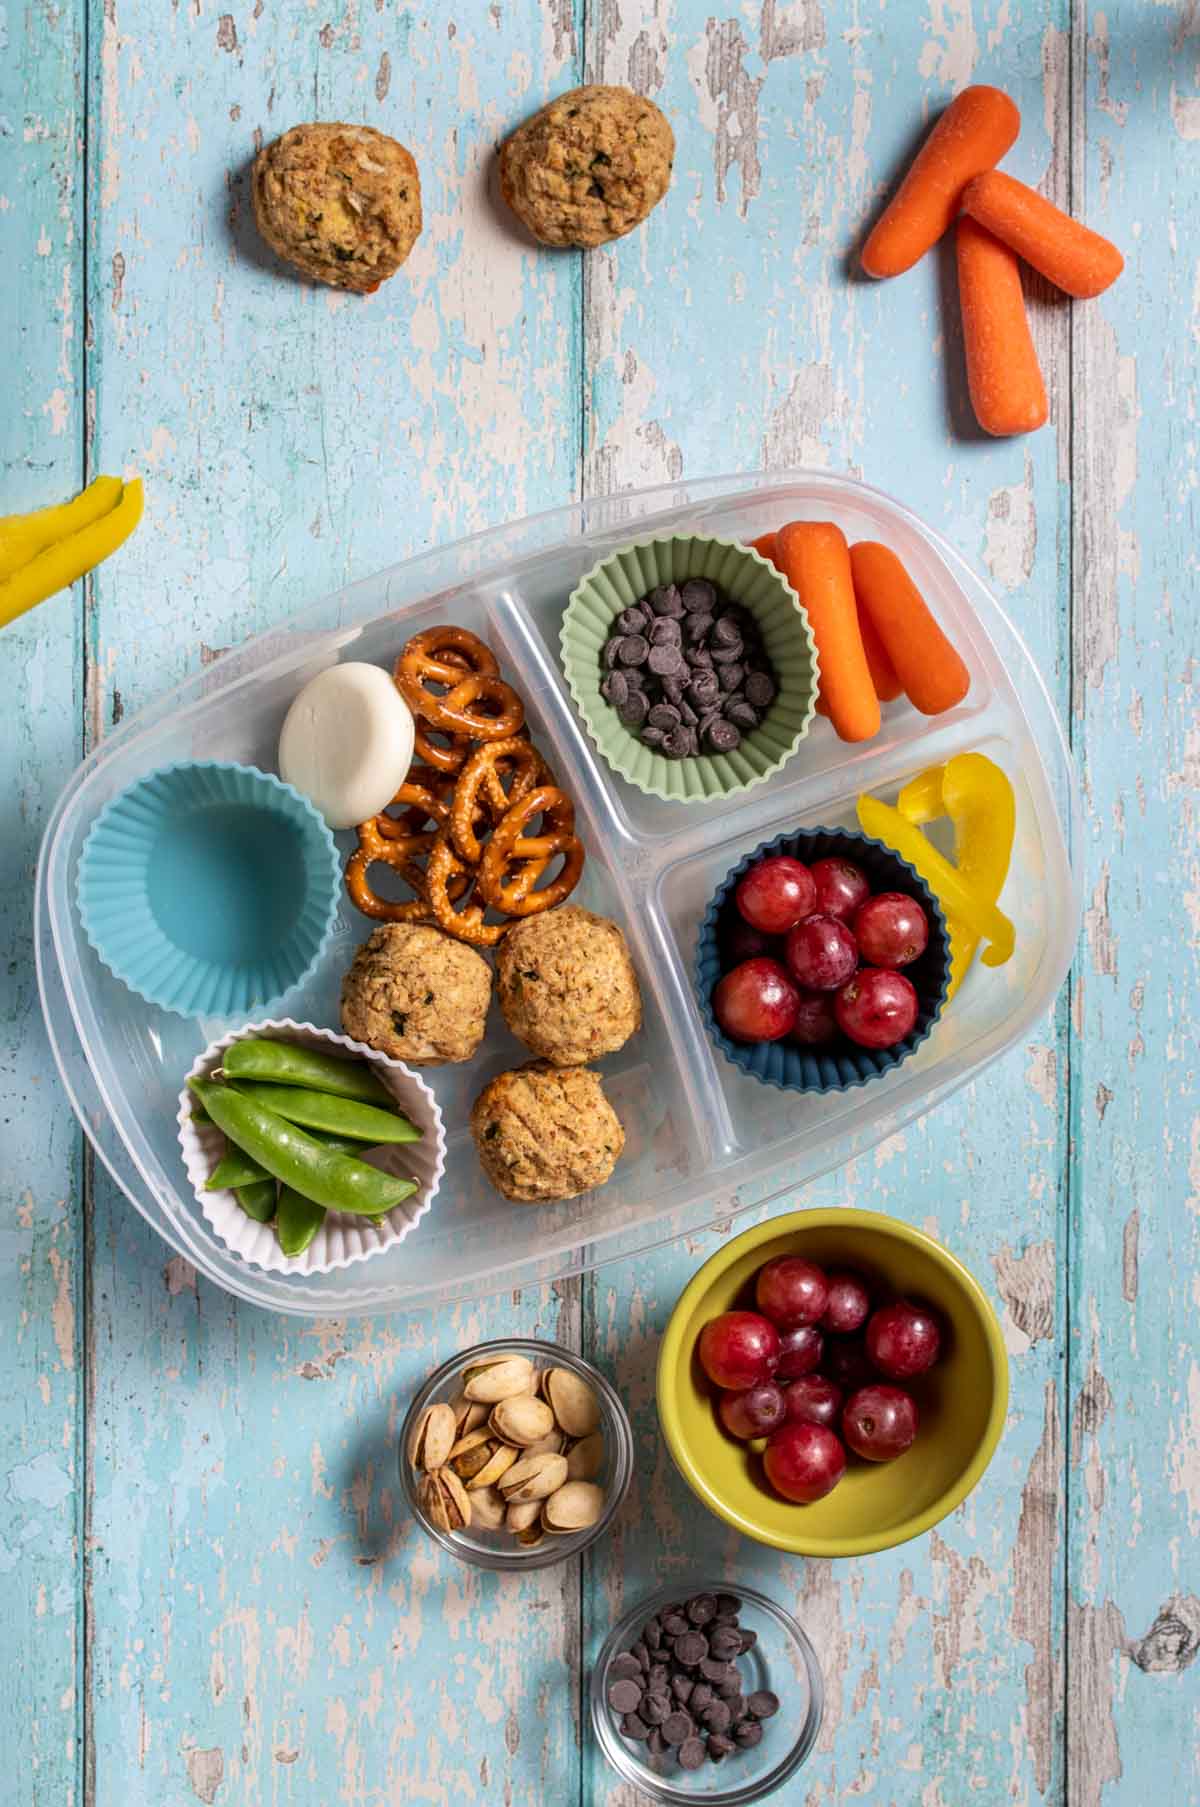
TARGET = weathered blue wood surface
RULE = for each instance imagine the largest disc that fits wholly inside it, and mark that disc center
(200, 1499)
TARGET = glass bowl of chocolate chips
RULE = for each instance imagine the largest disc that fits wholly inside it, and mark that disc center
(706, 1691)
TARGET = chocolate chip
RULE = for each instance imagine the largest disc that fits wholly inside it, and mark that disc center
(613, 650)
(674, 1624)
(697, 628)
(681, 1688)
(681, 743)
(729, 655)
(636, 680)
(701, 1608)
(730, 1691)
(634, 1726)
(652, 1630)
(726, 1618)
(634, 709)
(677, 1726)
(702, 1695)
(749, 1640)
(624, 1696)
(666, 600)
(699, 596)
(722, 737)
(719, 1746)
(615, 688)
(624, 1668)
(748, 1733)
(703, 690)
(667, 661)
(730, 676)
(719, 1674)
(656, 1744)
(701, 658)
(762, 1703)
(663, 715)
(726, 629)
(643, 1656)
(760, 690)
(724, 1643)
(692, 1648)
(692, 1753)
(655, 1707)
(728, 1603)
(717, 1716)
(634, 649)
(741, 714)
(632, 620)
(653, 737)
(665, 632)
(657, 1677)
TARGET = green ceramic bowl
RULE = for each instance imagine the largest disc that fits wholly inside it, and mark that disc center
(623, 579)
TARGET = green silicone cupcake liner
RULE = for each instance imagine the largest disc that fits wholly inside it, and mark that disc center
(621, 580)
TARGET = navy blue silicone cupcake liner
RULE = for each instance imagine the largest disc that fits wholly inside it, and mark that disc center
(836, 1068)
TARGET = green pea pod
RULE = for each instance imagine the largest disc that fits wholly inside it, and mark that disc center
(233, 1170)
(297, 1221)
(284, 1063)
(324, 1175)
(257, 1199)
(339, 1116)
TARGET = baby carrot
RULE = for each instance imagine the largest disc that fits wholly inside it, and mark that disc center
(814, 558)
(767, 546)
(1003, 374)
(974, 132)
(1070, 255)
(933, 675)
(883, 672)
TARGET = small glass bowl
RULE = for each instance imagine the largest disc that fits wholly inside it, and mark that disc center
(782, 1660)
(499, 1549)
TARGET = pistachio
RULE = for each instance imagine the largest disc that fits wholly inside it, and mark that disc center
(468, 1415)
(470, 1440)
(584, 1459)
(501, 1458)
(432, 1437)
(488, 1382)
(487, 1508)
(522, 1420)
(553, 1442)
(519, 1518)
(444, 1500)
(533, 1477)
(574, 1404)
(573, 1507)
(531, 1535)
(471, 1461)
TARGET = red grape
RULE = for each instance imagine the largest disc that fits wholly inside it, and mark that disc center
(752, 1413)
(790, 1291)
(841, 887)
(804, 1461)
(848, 1305)
(776, 893)
(800, 1351)
(738, 1350)
(879, 1423)
(821, 953)
(756, 1002)
(740, 942)
(891, 930)
(876, 1009)
(903, 1339)
(845, 1361)
(815, 1022)
(814, 1399)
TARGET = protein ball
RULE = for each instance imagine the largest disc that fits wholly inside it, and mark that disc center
(567, 986)
(417, 994)
(546, 1132)
(342, 203)
(589, 167)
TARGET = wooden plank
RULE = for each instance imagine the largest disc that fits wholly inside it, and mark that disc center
(41, 1232)
(267, 1626)
(724, 336)
(1134, 1383)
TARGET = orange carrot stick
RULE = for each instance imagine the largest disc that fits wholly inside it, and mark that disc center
(815, 559)
(1003, 374)
(974, 132)
(1070, 255)
(932, 673)
(883, 672)
(767, 546)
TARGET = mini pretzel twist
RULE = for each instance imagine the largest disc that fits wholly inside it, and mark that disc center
(480, 796)
(452, 656)
(485, 708)
(446, 759)
(391, 841)
(531, 854)
(444, 872)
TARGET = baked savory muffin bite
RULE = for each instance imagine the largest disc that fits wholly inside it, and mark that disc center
(340, 202)
(567, 986)
(546, 1132)
(589, 167)
(417, 994)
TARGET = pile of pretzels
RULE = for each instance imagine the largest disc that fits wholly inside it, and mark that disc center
(479, 819)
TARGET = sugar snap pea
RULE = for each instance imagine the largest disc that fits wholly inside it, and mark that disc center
(339, 1116)
(297, 1221)
(234, 1170)
(286, 1063)
(324, 1175)
(257, 1199)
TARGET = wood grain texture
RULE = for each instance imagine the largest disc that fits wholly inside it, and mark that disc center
(262, 1623)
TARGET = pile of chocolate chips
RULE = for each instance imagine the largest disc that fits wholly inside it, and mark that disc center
(679, 1690)
(686, 670)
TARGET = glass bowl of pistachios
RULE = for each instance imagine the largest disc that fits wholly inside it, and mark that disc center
(515, 1454)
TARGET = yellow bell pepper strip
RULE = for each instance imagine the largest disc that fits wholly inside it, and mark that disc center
(978, 798)
(921, 799)
(23, 536)
(977, 914)
(61, 564)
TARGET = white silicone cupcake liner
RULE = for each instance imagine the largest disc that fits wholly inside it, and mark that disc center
(343, 1238)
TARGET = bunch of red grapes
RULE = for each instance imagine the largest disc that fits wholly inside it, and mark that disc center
(811, 953)
(814, 1371)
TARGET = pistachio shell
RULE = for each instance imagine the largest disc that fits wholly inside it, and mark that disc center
(552, 1442)
(522, 1420)
(487, 1508)
(470, 1463)
(499, 1461)
(470, 1441)
(432, 1437)
(531, 1535)
(444, 1500)
(573, 1507)
(533, 1477)
(486, 1383)
(585, 1458)
(574, 1403)
(519, 1518)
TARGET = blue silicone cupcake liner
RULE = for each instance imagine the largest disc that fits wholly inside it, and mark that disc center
(209, 887)
(836, 1068)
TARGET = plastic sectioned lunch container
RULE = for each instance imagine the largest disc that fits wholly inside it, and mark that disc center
(703, 1141)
